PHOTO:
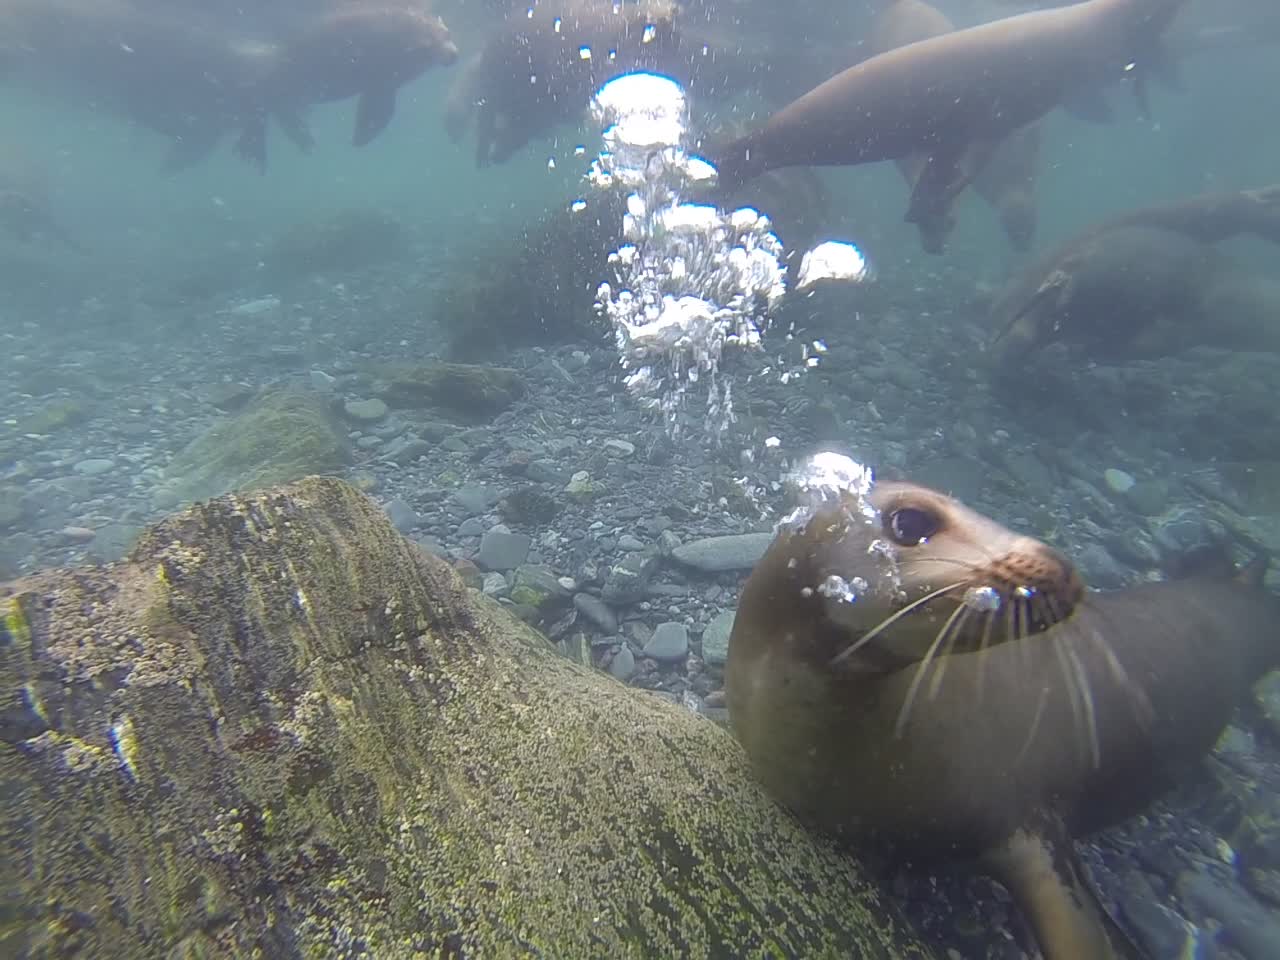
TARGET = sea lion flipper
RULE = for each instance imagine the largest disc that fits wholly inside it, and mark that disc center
(1039, 866)
(293, 123)
(374, 111)
(941, 179)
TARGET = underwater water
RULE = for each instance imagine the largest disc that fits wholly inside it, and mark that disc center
(478, 698)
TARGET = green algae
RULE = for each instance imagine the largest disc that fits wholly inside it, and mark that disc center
(280, 437)
(53, 416)
(338, 748)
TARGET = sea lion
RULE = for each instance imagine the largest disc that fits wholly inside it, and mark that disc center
(1140, 283)
(1007, 182)
(540, 67)
(1003, 175)
(366, 49)
(179, 76)
(901, 663)
(1133, 291)
(26, 209)
(947, 94)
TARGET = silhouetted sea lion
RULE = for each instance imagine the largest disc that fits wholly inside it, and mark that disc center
(944, 95)
(26, 212)
(1138, 283)
(367, 50)
(542, 64)
(907, 665)
(177, 75)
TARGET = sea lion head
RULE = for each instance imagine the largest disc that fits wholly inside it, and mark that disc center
(427, 43)
(903, 573)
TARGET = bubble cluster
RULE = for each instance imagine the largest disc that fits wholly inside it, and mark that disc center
(689, 279)
(692, 280)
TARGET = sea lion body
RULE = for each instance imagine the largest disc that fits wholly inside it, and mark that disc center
(543, 63)
(26, 205)
(367, 50)
(1003, 175)
(1129, 292)
(1063, 713)
(1007, 182)
(180, 77)
(1137, 284)
(942, 95)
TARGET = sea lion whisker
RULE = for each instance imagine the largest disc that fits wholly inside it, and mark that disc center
(1035, 726)
(914, 688)
(1143, 711)
(1069, 684)
(965, 612)
(1086, 698)
(890, 620)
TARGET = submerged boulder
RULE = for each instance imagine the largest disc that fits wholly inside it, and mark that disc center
(471, 391)
(282, 436)
(279, 729)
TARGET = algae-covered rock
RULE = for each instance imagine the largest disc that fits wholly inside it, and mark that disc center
(472, 390)
(282, 436)
(279, 729)
(52, 416)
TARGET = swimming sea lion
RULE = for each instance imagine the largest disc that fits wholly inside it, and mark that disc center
(1140, 283)
(1003, 175)
(907, 665)
(367, 50)
(542, 64)
(1128, 292)
(944, 95)
(1007, 182)
(26, 208)
(179, 76)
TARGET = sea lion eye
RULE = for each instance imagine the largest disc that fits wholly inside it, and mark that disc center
(910, 526)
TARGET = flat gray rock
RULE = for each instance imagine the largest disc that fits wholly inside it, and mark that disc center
(717, 554)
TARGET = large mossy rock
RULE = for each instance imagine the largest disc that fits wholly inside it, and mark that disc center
(278, 729)
(281, 436)
(472, 391)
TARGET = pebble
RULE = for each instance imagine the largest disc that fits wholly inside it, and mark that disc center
(620, 449)
(1118, 481)
(403, 517)
(623, 666)
(669, 643)
(94, 466)
(500, 549)
(719, 554)
(715, 638)
(628, 581)
(77, 534)
(477, 498)
(322, 381)
(597, 611)
(471, 527)
(366, 411)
